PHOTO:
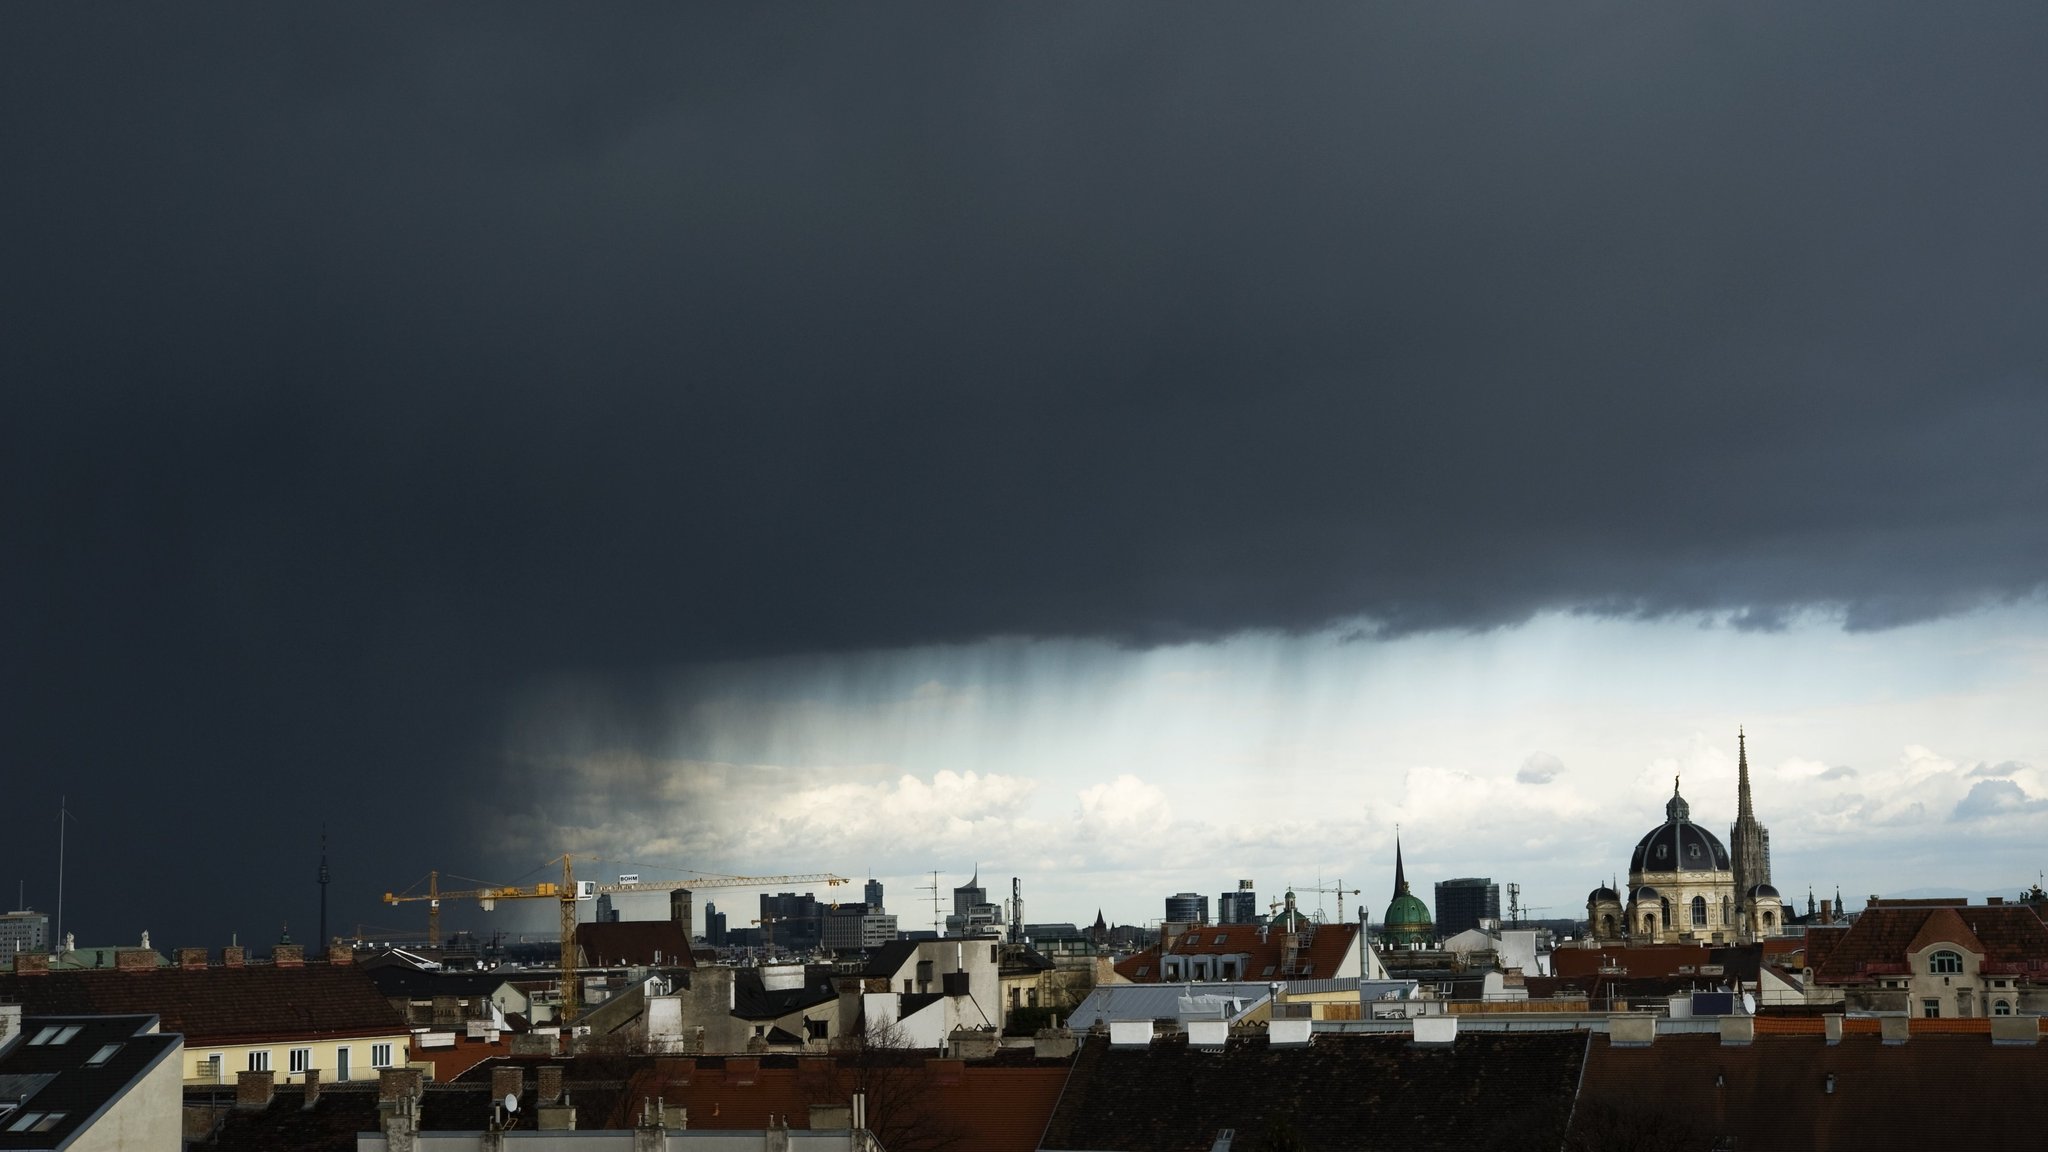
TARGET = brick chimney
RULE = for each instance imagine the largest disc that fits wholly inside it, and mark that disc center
(508, 1081)
(550, 1089)
(396, 1083)
(312, 1086)
(254, 1089)
(31, 964)
(232, 955)
(134, 960)
(340, 953)
(192, 957)
(289, 956)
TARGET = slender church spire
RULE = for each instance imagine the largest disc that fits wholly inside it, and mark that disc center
(1742, 806)
(1400, 875)
(321, 943)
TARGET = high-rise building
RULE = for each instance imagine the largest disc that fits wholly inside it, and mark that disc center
(1239, 907)
(874, 895)
(1462, 903)
(972, 914)
(24, 931)
(1188, 908)
(714, 925)
(797, 920)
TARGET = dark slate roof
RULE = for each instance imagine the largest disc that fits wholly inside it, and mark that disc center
(220, 1005)
(1690, 1091)
(1678, 844)
(1736, 961)
(1486, 1091)
(413, 984)
(884, 961)
(637, 942)
(2011, 938)
(57, 1078)
(595, 1085)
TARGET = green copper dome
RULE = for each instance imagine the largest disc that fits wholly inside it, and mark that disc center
(1407, 921)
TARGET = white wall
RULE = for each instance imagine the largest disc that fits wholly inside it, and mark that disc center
(149, 1117)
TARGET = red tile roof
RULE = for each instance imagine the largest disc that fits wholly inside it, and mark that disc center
(1321, 950)
(221, 1005)
(1799, 1092)
(1000, 1106)
(635, 942)
(2010, 937)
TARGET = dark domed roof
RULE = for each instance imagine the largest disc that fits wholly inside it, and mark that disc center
(1763, 890)
(1603, 892)
(1678, 844)
(1648, 893)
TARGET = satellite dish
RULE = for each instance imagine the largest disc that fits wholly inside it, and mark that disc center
(1748, 1004)
(511, 1101)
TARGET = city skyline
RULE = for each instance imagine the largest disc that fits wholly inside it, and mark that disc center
(1134, 452)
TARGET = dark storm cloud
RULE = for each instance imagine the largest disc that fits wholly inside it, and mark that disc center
(360, 367)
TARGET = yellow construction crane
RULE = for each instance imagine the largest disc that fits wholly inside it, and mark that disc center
(570, 890)
(567, 892)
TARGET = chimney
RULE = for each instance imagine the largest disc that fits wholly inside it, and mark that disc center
(1894, 1029)
(398, 1083)
(312, 1087)
(253, 1090)
(31, 964)
(134, 960)
(507, 1081)
(1827, 912)
(231, 956)
(289, 956)
(339, 953)
(1831, 1023)
(550, 1086)
(192, 957)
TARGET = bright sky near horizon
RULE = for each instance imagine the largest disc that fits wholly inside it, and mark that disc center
(1107, 777)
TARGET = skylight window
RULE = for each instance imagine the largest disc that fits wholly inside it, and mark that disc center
(100, 1057)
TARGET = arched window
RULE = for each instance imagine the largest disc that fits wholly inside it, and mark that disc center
(1944, 963)
(1699, 911)
(1650, 923)
(2001, 1008)
(1770, 919)
(1607, 925)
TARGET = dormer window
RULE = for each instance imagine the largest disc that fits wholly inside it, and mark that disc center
(1945, 962)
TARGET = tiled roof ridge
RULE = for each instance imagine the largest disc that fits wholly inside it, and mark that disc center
(1943, 926)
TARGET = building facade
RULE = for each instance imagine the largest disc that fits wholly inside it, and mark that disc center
(24, 930)
(1187, 908)
(1238, 907)
(1462, 903)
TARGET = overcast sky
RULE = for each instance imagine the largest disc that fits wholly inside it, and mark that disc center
(1127, 448)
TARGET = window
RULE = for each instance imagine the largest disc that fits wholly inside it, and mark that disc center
(1945, 962)
(100, 1057)
(259, 1061)
(1222, 938)
(1607, 925)
(55, 1034)
(302, 1059)
(1930, 1008)
(1649, 923)
(814, 1029)
(380, 1055)
(1770, 919)
(2001, 1008)
(1699, 911)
